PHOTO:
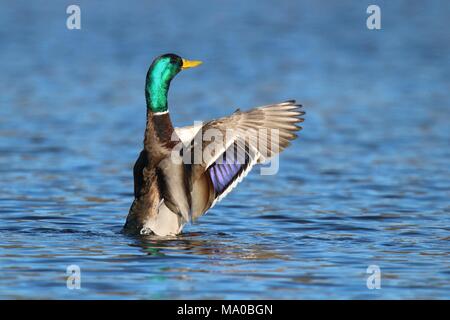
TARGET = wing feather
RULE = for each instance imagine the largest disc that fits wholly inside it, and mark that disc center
(253, 136)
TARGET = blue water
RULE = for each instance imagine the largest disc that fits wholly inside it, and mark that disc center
(366, 183)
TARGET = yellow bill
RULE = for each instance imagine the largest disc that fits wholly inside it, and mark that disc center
(190, 64)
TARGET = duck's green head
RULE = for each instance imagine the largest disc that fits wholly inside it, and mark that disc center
(161, 72)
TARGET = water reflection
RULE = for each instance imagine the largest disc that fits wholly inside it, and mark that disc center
(195, 244)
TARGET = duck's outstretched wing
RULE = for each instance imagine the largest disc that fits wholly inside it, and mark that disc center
(225, 150)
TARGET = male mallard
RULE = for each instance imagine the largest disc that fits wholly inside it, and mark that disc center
(170, 188)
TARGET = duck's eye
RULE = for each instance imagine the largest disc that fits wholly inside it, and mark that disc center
(173, 60)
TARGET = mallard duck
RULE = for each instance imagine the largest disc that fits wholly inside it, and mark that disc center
(174, 183)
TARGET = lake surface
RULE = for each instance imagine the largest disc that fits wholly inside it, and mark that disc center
(366, 183)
